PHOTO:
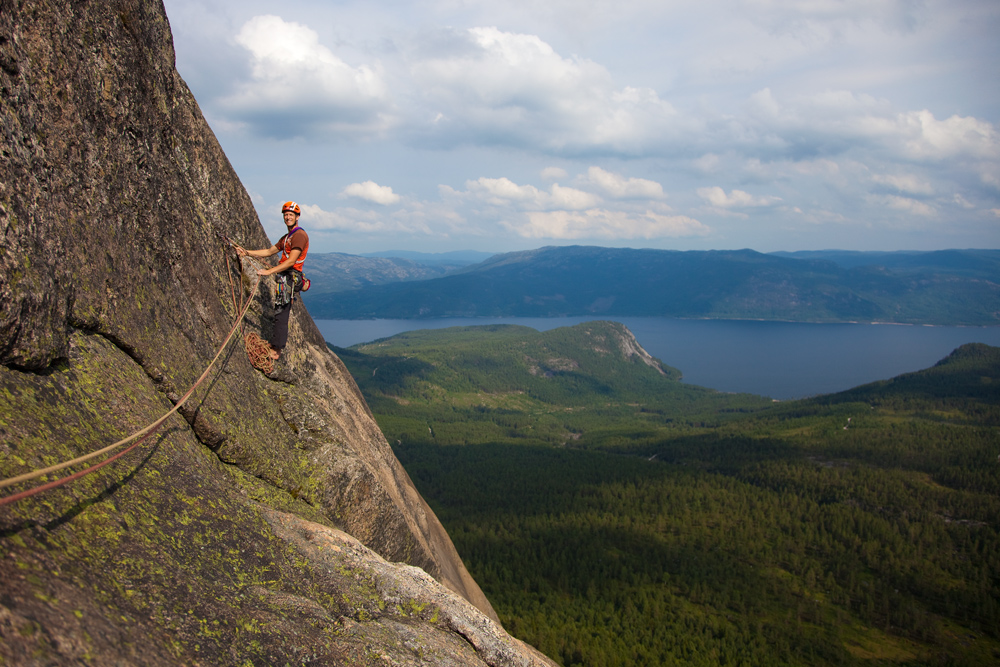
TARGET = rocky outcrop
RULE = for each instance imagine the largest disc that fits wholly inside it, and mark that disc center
(630, 347)
(115, 293)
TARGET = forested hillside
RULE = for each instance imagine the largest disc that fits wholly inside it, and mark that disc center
(679, 525)
(585, 384)
(949, 287)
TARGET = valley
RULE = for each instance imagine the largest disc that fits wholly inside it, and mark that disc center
(615, 516)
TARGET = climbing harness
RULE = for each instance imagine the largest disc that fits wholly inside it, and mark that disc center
(142, 434)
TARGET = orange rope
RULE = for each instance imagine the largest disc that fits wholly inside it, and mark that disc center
(259, 352)
(142, 433)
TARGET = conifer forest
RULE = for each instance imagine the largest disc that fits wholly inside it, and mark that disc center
(616, 516)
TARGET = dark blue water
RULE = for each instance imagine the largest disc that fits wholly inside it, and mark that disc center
(783, 360)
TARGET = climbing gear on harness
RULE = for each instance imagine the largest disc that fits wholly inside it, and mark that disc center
(283, 290)
(299, 281)
(287, 283)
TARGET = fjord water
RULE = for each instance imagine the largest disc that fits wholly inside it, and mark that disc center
(782, 360)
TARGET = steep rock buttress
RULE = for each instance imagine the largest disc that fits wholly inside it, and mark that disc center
(115, 293)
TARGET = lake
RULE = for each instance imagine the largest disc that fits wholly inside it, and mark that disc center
(782, 360)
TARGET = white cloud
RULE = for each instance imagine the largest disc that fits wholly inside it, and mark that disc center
(605, 224)
(925, 137)
(905, 183)
(570, 213)
(504, 192)
(299, 87)
(708, 163)
(905, 204)
(866, 111)
(371, 191)
(501, 87)
(838, 121)
(716, 196)
(963, 202)
(570, 198)
(356, 221)
(619, 187)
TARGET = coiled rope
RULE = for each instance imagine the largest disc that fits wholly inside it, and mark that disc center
(142, 433)
(259, 352)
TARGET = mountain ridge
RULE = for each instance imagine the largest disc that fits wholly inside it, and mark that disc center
(730, 284)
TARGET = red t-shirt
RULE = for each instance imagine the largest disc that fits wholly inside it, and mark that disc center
(287, 243)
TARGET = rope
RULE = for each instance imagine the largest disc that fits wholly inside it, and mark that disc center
(142, 433)
(259, 352)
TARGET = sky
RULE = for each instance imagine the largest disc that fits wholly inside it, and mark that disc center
(502, 125)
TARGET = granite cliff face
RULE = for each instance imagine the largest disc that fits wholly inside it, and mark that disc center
(258, 526)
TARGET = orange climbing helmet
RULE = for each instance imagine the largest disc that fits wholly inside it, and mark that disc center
(291, 206)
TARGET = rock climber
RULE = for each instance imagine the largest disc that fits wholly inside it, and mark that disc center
(293, 247)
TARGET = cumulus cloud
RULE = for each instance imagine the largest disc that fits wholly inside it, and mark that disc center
(298, 87)
(486, 86)
(925, 137)
(572, 213)
(716, 196)
(905, 204)
(371, 191)
(835, 122)
(492, 86)
(619, 187)
(503, 191)
(606, 224)
(905, 183)
(359, 221)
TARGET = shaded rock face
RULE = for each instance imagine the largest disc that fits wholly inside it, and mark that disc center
(115, 294)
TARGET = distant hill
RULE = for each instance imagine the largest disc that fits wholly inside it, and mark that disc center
(948, 287)
(337, 272)
(453, 258)
(975, 263)
(971, 371)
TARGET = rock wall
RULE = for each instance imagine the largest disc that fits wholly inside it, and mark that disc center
(115, 293)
